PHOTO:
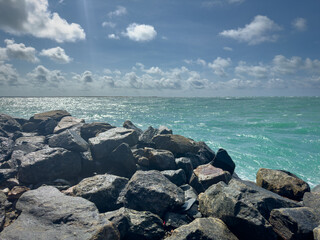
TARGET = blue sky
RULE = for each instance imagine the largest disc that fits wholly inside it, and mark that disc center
(159, 48)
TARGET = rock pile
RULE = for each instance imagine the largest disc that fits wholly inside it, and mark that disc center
(62, 178)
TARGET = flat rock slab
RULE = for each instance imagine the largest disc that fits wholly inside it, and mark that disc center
(151, 191)
(70, 140)
(55, 115)
(66, 123)
(203, 228)
(178, 177)
(89, 130)
(282, 182)
(49, 214)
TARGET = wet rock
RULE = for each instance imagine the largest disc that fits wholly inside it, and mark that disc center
(9, 124)
(90, 130)
(69, 140)
(67, 123)
(312, 200)
(102, 190)
(283, 183)
(174, 220)
(49, 164)
(151, 191)
(224, 161)
(316, 233)
(160, 159)
(49, 214)
(129, 125)
(178, 177)
(186, 165)
(6, 148)
(203, 228)
(294, 223)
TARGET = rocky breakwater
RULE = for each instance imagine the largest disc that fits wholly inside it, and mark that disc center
(62, 178)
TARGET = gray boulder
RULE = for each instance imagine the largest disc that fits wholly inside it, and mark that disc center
(316, 233)
(160, 159)
(174, 220)
(294, 223)
(186, 165)
(6, 174)
(164, 130)
(67, 123)
(3, 200)
(69, 140)
(49, 214)
(102, 190)
(316, 188)
(29, 144)
(129, 125)
(189, 192)
(312, 200)
(8, 125)
(151, 191)
(203, 229)
(6, 148)
(282, 182)
(145, 139)
(90, 130)
(224, 161)
(178, 177)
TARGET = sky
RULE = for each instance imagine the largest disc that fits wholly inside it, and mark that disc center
(183, 48)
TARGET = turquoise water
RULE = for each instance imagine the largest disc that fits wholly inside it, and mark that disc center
(275, 132)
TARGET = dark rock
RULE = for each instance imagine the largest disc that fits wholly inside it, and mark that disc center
(186, 165)
(316, 233)
(88, 166)
(203, 229)
(195, 183)
(177, 144)
(294, 223)
(120, 219)
(16, 192)
(29, 144)
(145, 139)
(312, 200)
(129, 125)
(56, 115)
(49, 164)
(49, 214)
(104, 143)
(9, 124)
(102, 190)
(21, 121)
(223, 160)
(3, 199)
(69, 140)
(174, 220)
(206, 152)
(178, 177)
(316, 189)
(164, 130)
(151, 191)
(6, 148)
(160, 159)
(189, 192)
(90, 130)
(283, 183)
(67, 123)
(193, 212)
(6, 174)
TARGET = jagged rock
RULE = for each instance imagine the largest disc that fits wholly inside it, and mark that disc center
(283, 183)
(174, 220)
(104, 143)
(9, 124)
(316, 233)
(189, 192)
(29, 144)
(177, 144)
(312, 200)
(294, 223)
(6, 148)
(67, 123)
(49, 164)
(316, 189)
(195, 183)
(185, 164)
(6, 174)
(203, 228)
(49, 214)
(102, 190)
(129, 125)
(90, 130)
(224, 161)
(145, 139)
(178, 177)
(69, 140)
(151, 191)
(206, 152)
(164, 130)
(196, 159)
(21, 121)
(160, 159)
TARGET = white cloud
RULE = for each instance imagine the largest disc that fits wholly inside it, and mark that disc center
(109, 24)
(43, 76)
(140, 32)
(261, 29)
(258, 71)
(299, 24)
(113, 36)
(120, 11)
(56, 54)
(18, 51)
(199, 61)
(8, 75)
(33, 17)
(312, 66)
(285, 66)
(219, 65)
(228, 49)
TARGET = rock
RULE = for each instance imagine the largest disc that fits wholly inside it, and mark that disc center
(294, 223)
(56, 115)
(21, 121)
(69, 140)
(120, 219)
(195, 183)
(316, 189)
(9, 124)
(49, 214)
(160, 159)
(316, 233)
(6, 148)
(178, 177)
(66, 123)
(186, 165)
(90, 130)
(223, 160)
(196, 159)
(203, 228)
(151, 191)
(104, 143)
(208, 175)
(312, 200)
(164, 130)
(29, 144)
(145, 139)
(49, 164)
(206, 152)
(102, 190)
(283, 183)
(16, 192)
(174, 220)
(3, 200)
(189, 192)
(177, 144)
(6, 174)
(129, 125)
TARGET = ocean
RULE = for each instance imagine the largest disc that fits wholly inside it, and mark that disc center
(258, 132)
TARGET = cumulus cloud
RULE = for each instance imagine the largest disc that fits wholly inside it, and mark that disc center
(113, 36)
(43, 76)
(299, 24)
(109, 24)
(219, 65)
(258, 71)
(18, 51)
(56, 54)
(199, 61)
(140, 32)
(33, 17)
(85, 77)
(8, 75)
(261, 29)
(120, 11)
(285, 66)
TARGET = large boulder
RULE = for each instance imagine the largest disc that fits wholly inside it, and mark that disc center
(6, 148)
(282, 182)
(30, 143)
(145, 139)
(8, 124)
(49, 214)
(151, 191)
(102, 190)
(90, 130)
(160, 159)
(67, 123)
(70, 140)
(174, 220)
(203, 229)
(224, 161)
(312, 200)
(294, 223)
(186, 165)
(49, 164)
(316, 188)
(129, 125)
(3, 200)
(178, 177)
(316, 233)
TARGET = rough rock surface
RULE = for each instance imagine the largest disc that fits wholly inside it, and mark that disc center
(178, 177)
(89, 130)
(66, 123)
(224, 161)
(29, 144)
(6, 148)
(316, 233)
(145, 139)
(102, 190)
(151, 191)
(203, 229)
(3, 200)
(316, 189)
(70, 140)
(49, 214)
(186, 165)
(283, 183)
(312, 200)
(294, 223)
(129, 125)
(160, 159)
(174, 220)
